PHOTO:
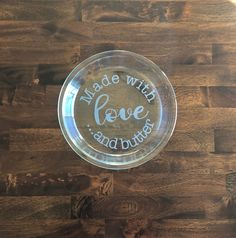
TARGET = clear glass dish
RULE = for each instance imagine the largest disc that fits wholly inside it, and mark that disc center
(117, 109)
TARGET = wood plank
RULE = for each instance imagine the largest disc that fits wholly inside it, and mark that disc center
(189, 163)
(44, 33)
(158, 11)
(40, 95)
(38, 140)
(53, 140)
(222, 97)
(179, 228)
(12, 75)
(150, 207)
(231, 184)
(191, 1)
(187, 97)
(190, 97)
(4, 140)
(49, 162)
(225, 140)
(52, 95)
(201, 75)
(198, 140)
(32, 55)
(174, 185)
(53, 228)
(45, 162)
(7, 95)
(169, 184)
(29, 95)
(159, 53)
(54, 74)
(171, 33)
(37, 10)
(54, 184)
(231, 188)
(26, 117)
(179, 75)
(46, 117)
(201, 119)
(209, 11)
(123, 11)
(41, 33)
(35, 207)
(165, 162)
(223, 53)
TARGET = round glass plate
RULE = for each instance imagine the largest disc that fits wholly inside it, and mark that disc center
(117, 109)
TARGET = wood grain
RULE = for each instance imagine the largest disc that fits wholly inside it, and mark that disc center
(38, 10)
(32, 54)
(206, 118)
(26, 117)
(223, 53)
(54, 184)
(222, 97)
(44, 33)
(49, 207)
(180, 75)
(53, 228)
(50, 74)
(190, 97)
(189, 163)
(38, 140)
(174, 185)
(187, 190)
(225, 140)
(4, 140)
(189, 33)
(150, 207)
(170, 228)
(41, 162)
(161, 11)
(68, 162)
(198, 140)
(29, 95)
(118, 11)
(161, 53)
(210, 11)
(40, 95)
(12, 75)
(201, 75)
(53, 140)
(230, 185)
(50, 33)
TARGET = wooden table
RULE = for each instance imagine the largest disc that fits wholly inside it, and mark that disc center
(189, 190)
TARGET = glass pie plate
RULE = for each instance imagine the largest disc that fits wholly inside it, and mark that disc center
(117, 109)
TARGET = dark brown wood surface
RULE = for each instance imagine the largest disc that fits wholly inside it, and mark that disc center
(188, 190)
